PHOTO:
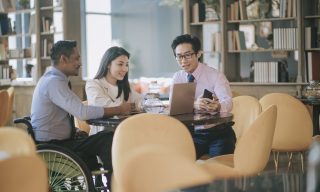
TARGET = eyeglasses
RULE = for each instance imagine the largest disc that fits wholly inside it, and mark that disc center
(186, 56)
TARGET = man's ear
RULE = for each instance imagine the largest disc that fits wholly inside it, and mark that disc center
(199, 54)
(63, 59)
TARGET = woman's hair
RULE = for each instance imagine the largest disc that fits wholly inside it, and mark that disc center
(111, 54)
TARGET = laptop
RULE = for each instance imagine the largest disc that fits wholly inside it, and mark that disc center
(182, 98)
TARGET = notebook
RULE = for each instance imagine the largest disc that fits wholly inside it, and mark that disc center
(182, 98)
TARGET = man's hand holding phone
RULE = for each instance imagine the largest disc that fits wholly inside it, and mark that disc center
(209, 102)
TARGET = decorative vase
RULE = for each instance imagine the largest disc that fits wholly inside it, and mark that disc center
(312, 91)
(211, 12)
(152, 103)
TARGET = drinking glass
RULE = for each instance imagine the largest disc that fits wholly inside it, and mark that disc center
(152, 103)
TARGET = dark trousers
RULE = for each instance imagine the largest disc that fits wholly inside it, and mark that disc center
(216, 141)
(89, 148)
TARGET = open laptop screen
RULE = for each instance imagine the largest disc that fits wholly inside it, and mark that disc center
(182, 98)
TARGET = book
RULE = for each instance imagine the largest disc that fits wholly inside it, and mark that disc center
(195, 13)
(294, 8)
(46, 22)
(266, 72)
(198, 12)
(230, 41)
(313, 66)
(243, 10)
(242, 40)
(310, 37)
(4, 24)
(289, 8)
(3, 54)
(216, 42)
(236, 10)
(45, 48)
(32, 26)
(1, 76)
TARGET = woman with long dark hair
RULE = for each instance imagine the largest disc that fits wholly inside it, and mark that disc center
(110, 87)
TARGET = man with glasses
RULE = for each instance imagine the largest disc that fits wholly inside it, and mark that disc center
(220, 139)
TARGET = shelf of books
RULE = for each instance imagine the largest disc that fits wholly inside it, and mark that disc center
(262, 39)
(17, 40)
(204, 21)
(311, 21)
(28, 30)
(51, 30)
(256, 43)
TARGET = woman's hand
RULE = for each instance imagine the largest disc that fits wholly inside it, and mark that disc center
(125, 108)
(133, 107)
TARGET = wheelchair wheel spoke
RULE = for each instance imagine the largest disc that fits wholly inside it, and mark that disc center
(65, 174)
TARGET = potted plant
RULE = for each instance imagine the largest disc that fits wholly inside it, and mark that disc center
(24, 3)
(178, 3)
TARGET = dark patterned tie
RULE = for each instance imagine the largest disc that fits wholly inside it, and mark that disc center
(190, 78)
(71, 118)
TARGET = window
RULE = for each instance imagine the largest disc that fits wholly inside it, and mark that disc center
(21, 39)
(97, 36)
(142, 27)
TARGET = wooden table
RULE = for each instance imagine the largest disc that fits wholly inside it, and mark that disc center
(315, 103)
(189, 120)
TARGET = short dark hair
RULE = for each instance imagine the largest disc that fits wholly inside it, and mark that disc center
(186, 38)
(64, 47)
(111, 54)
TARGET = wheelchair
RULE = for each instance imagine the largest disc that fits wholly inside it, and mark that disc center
(66, 170)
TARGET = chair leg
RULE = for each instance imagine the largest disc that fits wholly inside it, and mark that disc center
(244, 183)
(240, 183)
(290, 154)
(302, 161)
(276, 160)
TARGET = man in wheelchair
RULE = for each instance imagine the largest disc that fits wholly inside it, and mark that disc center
(54, 105)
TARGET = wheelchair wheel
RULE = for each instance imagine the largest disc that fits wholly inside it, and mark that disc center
(66, 171)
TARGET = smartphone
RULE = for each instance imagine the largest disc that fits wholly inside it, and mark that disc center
(207, 94)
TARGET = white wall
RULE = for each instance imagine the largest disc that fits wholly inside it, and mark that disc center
(146, 31)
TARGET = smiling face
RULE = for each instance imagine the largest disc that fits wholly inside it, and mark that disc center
(186, 57)
(117, 69)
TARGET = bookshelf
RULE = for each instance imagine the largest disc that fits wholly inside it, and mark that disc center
(51, 22)
(311, 26)
(199, 24)
(275, 38)
(63, 23)
(27, 34)
(17, 41)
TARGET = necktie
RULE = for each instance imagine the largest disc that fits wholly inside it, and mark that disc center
(71, 118)
(190, 78)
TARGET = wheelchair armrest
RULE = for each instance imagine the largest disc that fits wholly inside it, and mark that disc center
(26, 121)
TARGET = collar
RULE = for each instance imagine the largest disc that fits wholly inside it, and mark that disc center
(54, 71)
(196, 73)
(105, 83)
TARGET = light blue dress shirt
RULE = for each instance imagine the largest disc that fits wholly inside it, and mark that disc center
(208, 78)
(51, 104)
